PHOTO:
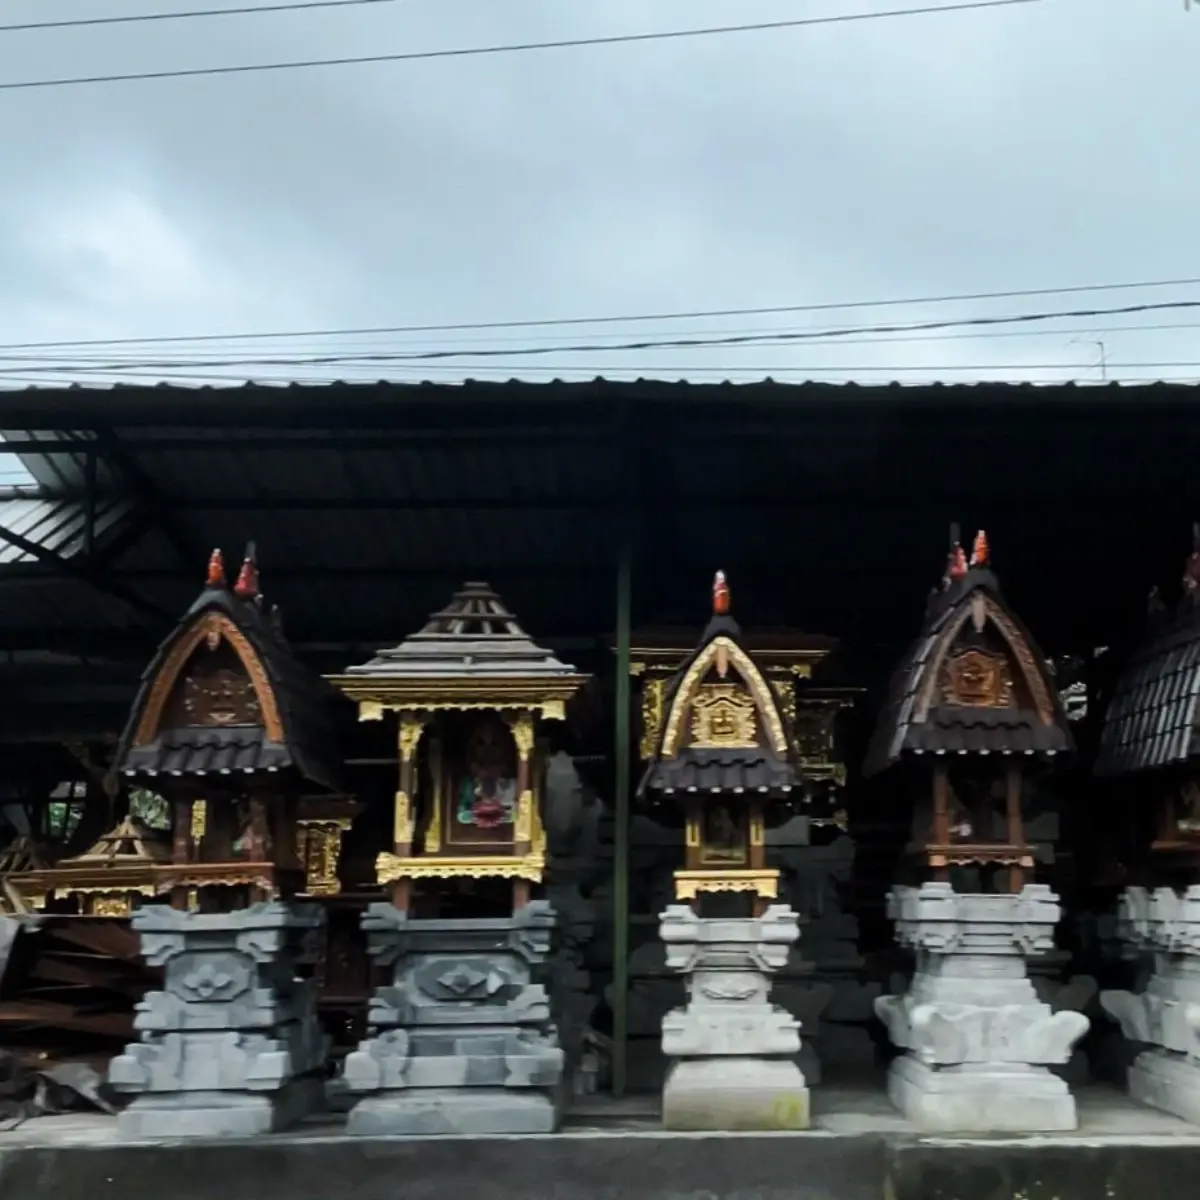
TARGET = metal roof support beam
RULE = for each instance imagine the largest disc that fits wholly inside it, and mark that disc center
(148, 497)
(64, 566)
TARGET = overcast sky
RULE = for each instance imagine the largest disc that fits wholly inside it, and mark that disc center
(1036, 146)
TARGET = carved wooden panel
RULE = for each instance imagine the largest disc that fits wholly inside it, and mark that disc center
(977, 679)
(723, 717)
(220, 697)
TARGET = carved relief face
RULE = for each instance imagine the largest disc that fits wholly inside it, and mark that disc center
(976, 679)
(222, 697)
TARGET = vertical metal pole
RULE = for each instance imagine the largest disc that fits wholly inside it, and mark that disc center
(620, 1007)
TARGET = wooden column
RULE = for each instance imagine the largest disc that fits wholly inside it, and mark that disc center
(941, 818)
(1016, 827)
(403, 823)
(523, 734)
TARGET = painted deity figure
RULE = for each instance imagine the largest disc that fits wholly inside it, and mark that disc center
(487, 794)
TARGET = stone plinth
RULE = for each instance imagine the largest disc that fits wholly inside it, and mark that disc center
(1165, 1016)
(232, 1045)
(733, 1051)
(462, 1039)
(979, 1042)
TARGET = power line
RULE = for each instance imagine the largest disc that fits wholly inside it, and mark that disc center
(627, 319)
(623, 347)
(512, 47)
(137, 18)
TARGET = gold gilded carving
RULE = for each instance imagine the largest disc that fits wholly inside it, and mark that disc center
(193, 900)
(522, 731)
(402, 820)
(689, 884)
(322, 852)
(637, 668)
(723, 718)
(199, 822)
(210, 629)
(409, 737)
(523, 832)
(370, 710)
(978, 680)
(785, 693)
(391, 867)
(692, 834)
(764, 697)
(757, 831)
(654, 691)
(111, 906)
(433, 833)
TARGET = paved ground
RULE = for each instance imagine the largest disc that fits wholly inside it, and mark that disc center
(1106, 1116)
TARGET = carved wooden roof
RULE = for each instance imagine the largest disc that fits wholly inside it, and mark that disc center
(474, 636)
(1151, 720)
(973, 682)
(129, 843)
(722, 729)
(225, 694)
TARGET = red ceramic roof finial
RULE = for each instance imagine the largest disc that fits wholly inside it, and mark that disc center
(247, 580)
(958, 563)
(980, 554)
(216, 570)
(720, 594)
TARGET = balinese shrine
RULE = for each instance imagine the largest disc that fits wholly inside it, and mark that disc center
(624, 840)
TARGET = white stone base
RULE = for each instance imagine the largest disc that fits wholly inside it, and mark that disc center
(1167, 1081)
(735, 1095)
(988, 1098)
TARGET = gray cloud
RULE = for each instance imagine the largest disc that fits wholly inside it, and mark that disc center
(1022, 147)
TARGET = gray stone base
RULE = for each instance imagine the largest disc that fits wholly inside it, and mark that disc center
(735, 1094)
(1167, 1081)
(422, 1112)
(987, 1098)
(219, 1114)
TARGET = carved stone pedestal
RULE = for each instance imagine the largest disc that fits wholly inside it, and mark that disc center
(733, 1050)
(979, 1040)
(232, 1045)
(462, 1039)
(1165, 1016)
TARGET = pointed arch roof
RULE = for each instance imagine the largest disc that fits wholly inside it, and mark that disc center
(915, 719)
(294, 732)
(765, 768)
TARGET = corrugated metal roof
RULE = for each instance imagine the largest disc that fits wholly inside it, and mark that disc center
(57, 525)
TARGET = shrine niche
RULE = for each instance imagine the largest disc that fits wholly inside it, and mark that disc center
(724, 764)
(470, 691)
(973, 710)
(229, 727)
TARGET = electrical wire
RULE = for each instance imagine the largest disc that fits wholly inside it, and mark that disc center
(628, 318)
(511, 47)
(743, 340)
(138, 18)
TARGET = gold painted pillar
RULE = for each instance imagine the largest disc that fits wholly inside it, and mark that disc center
(523, 735)
(403, 825)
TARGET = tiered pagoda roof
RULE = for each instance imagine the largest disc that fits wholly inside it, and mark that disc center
(1151, 722)
(278, 719)
(974, 681)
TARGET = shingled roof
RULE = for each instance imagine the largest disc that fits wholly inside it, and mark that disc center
(1151, 721)
(766, 767)
(294, 736)
(924, 715)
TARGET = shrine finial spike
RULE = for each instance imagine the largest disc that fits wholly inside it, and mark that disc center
(247, 581)
(216, 570)
(958, 563)
(720, 594)
(980, 553)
